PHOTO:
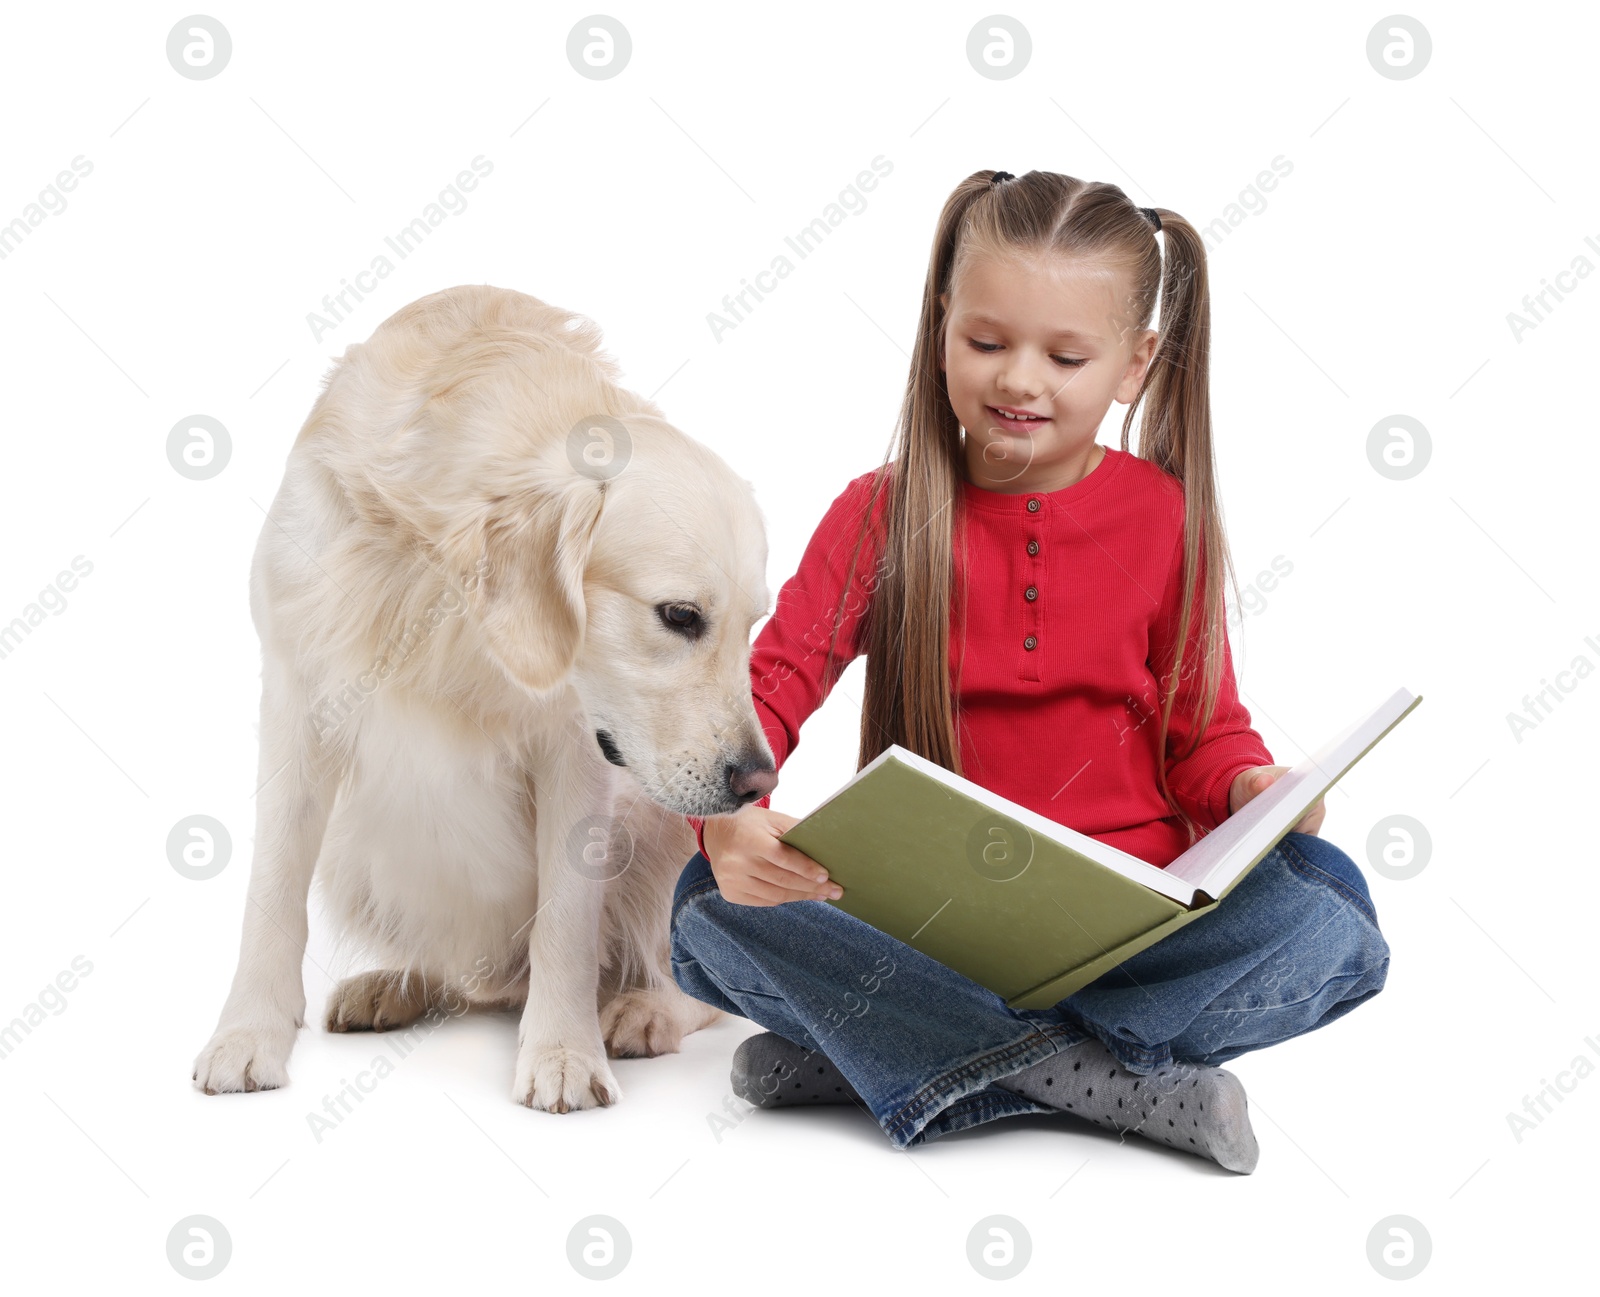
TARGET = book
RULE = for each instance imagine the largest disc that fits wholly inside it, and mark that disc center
(1020, 904)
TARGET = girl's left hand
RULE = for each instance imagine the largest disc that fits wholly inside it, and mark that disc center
(1247, 783)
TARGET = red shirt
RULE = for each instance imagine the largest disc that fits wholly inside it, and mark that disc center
(1072, 607)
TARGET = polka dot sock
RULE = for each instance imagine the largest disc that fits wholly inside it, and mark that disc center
(1187, 1106)
(771, 1071)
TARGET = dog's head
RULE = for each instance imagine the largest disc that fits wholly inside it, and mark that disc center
(638, 586)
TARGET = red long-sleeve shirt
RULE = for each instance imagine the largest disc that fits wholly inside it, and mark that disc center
(1073, 599)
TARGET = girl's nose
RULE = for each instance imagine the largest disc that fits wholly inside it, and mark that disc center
(1020, 379)
(1019, 385)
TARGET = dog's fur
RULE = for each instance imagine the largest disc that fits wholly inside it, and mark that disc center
(460, 604)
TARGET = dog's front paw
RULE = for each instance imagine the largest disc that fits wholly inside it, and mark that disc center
(559, 1079)
(239, 1059)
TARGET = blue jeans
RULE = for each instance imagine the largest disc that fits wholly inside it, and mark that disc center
(1293, 947)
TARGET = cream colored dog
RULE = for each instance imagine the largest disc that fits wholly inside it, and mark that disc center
(505, 612)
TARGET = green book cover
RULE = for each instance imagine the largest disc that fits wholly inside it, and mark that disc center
(1025, 906)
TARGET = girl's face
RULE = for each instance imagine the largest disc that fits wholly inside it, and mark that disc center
(1053, 339)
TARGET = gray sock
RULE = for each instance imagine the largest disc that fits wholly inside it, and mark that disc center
(1188, 1106)
(771, 1071)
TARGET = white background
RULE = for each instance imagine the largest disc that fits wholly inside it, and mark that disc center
(1376, 281)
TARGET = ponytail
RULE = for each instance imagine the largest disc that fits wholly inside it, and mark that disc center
(905, 633)
(1175, 435)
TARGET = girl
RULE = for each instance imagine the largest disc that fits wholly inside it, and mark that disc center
(1018, 591)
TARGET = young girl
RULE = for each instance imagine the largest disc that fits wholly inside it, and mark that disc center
(1018, 591)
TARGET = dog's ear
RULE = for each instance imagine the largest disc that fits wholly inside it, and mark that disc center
(536, 548)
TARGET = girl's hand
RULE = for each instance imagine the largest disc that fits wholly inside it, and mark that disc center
(1247, 783)
(753, 868)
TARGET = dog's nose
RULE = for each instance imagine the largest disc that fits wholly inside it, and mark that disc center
(751, 782)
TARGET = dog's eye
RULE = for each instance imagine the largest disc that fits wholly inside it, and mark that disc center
(682, 617)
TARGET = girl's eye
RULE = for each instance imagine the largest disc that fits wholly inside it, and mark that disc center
(1067, 362)
(681, 617)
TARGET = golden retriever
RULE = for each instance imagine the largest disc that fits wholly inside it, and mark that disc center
(505, 612)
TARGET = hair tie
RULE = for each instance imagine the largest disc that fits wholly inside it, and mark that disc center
(1150, 214)
(999, 176)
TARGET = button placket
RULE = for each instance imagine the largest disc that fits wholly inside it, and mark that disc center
(1032, 615)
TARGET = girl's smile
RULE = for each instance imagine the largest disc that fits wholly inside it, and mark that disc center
(1013, 417)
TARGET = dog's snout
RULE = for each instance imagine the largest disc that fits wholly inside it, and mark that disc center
(751, 780)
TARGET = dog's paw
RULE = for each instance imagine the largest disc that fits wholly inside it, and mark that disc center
(241, 1059)
(375, 1002)
(559, 1079)
(643, 1023)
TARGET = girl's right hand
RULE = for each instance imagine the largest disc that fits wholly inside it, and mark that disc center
(753, 868)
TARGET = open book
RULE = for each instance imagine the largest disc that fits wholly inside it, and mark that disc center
(1021, 904)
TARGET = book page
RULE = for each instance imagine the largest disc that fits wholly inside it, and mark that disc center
(1243, 838)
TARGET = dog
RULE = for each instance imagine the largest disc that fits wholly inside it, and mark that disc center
(505, 612)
